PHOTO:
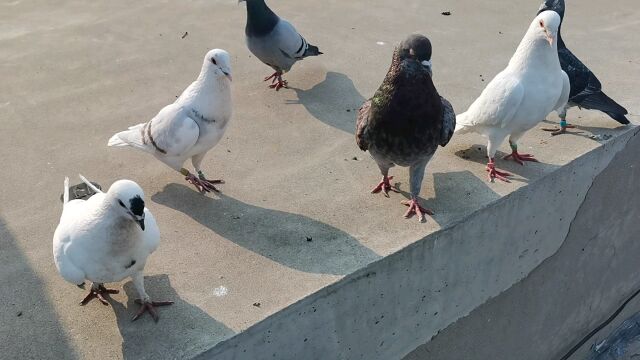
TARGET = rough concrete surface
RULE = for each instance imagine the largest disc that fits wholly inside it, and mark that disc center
(76, 72)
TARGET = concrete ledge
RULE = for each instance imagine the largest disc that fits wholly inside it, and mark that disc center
(572, 292)
(367, 283)
(394, 304)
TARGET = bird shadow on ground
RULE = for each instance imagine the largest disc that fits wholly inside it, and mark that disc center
(334, 101)
(181, 330)
(530, 170)
(586, 132)
(457, 194)
(293, 240)
(31, 328)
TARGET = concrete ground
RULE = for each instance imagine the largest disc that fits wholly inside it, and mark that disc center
(75, 73)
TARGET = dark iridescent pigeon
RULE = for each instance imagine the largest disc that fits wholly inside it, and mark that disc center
(274, 41)
(586, 90)
(406, 119)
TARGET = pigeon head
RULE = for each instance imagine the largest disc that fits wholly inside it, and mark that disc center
(128, 198)
(545, 26)
(416, 47)
(218, 63)
(553, 5)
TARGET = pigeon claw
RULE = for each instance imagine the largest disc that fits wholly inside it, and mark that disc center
(203, 185)
(150, 307)
(496, 174)
(561, 130)
(415, 208)
(276, 81)
(385, 186)
(98, 293)
(520, 158)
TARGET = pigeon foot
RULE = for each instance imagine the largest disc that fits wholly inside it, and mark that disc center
(496, 174)
(561, 130)
(98, 293)
(417, 209)
(203, 185)
(150, 307)
(385, 186)
(520, 158)
(276, 81)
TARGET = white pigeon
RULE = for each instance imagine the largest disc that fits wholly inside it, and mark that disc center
(107, 238)
(192, 125)
(522, 95)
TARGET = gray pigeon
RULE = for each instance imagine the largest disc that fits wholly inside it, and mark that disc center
(406, 120)
(274, 41)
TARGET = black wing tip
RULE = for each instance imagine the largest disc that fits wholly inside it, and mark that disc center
(621, 118)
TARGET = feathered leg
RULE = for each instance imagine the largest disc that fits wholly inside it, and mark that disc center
(562, 113)
(416, 174)
(146, 305)
(492, 147)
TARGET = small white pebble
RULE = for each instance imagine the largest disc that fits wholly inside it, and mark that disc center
(380, 43)
(220, 291)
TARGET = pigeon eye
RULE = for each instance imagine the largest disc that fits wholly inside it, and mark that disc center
(541, 23)
(213, 60)
(121, 204)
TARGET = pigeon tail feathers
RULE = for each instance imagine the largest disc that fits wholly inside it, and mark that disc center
(311, 50)
(600, 101)
(65, 197)
(89, 184)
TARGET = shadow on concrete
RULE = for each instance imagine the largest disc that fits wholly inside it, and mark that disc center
(584, 131)
(277, 235)
(30, 328)
(334, 101)
(457, 194)
(530, 170)
(181, 330)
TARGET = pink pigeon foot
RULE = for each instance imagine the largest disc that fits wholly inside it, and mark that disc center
(417, 209)
(385, 186)
(496, 174)
(149, 306)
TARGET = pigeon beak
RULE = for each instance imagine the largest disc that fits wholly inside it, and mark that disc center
(139, 220)
(228, 75)
(141, 223)
(550, 38)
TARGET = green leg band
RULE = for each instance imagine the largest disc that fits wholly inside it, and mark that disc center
(184, 172)
(514, 147)
(563, 123)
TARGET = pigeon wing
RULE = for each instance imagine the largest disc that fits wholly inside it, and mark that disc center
(497, 104)
(361, 126)
(448, 122)
(173, 132)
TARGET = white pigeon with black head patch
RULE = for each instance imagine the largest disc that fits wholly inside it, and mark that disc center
(192, 125)
(522, 95)
(274, 41)
(107, 238)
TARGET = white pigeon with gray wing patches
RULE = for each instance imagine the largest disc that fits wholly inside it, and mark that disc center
(106, 238)
(192, 125)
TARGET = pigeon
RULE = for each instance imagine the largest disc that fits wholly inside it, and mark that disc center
(519, 97)
(192, 125)
(274, 41)
(586, 90)
(105, 239)
(405, 120)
